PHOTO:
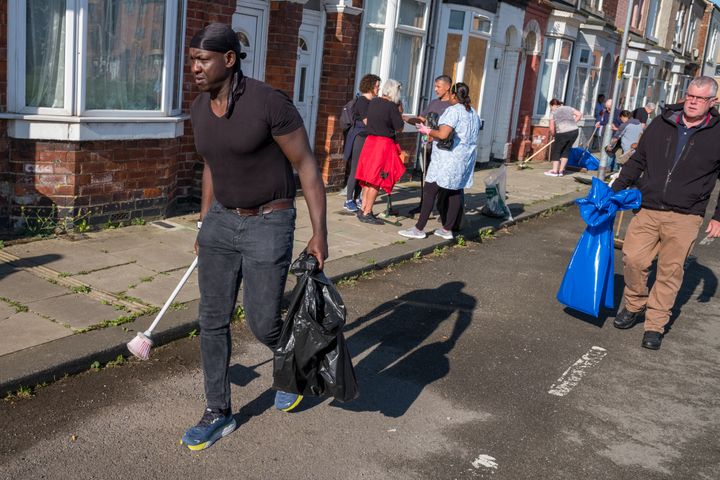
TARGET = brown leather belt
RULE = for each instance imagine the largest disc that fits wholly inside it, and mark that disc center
(279, 204)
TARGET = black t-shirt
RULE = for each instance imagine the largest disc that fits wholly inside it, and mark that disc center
(640, 114)
(248, 168)
(361, 108)
(383, 118)
(436, 106)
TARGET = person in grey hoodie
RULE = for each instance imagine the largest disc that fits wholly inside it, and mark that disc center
(627, 136)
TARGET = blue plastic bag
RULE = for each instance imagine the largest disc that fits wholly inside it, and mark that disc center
(582, 158)
(589, 276)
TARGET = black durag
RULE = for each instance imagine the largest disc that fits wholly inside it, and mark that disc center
(218, 37)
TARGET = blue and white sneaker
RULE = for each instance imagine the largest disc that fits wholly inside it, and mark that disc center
(287, 401)
(213, 425)
(350, 206)
(358, 202)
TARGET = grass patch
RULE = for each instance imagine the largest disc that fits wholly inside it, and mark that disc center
(193, 333)
(119, 360)
(439, 251)
(553, 210)
(177, 306)
(347, 282)
(19, 307)
(486, 234)
(460, 241)
(81, 289)
(146, 279)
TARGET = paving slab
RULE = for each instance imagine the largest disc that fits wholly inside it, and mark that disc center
(6, 310)
(76, 310)
(68, 256)
(26, 329)
(159, 289)
(161, 256)
(117, 279)
(23, 287)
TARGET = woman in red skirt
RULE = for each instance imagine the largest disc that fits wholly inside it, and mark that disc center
(380, 166)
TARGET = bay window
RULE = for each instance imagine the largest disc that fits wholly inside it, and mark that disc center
(392, 44)
(95, 58)
(553, 79)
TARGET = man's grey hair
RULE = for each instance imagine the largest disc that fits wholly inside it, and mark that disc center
(391, 90)
(650, 106)
(701, 82)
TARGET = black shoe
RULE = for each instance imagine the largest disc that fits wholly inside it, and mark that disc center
(627, 319)
(369, 218)
(652, 340)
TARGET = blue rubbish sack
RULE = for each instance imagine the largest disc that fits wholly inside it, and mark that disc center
(582, 158)
(589, 276)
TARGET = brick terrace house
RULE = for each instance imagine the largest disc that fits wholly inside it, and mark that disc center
(94, 94)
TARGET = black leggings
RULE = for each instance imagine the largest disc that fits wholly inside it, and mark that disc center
(430, 191)
(353, 189)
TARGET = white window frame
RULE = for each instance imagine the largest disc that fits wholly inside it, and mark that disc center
(555, 62)
(712, 47)
(594, 5)
(389, 28)
(679, 19)
(690, 35)
(587, 96)
(75, 66)
(651, 20)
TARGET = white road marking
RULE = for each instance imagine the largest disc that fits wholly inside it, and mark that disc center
(485, 461)
(572, 376)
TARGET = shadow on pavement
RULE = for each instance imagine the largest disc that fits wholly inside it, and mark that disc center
(397, 368)
(695, 273)
(605, 313)
(7, 269)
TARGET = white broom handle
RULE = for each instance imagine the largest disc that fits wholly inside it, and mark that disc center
(172, 296)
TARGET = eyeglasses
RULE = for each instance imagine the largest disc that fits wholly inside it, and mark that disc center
(691, 98)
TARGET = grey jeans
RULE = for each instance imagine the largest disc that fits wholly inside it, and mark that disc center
(255, 251)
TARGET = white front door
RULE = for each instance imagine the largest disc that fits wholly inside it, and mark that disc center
(250, 23)
(307, 70)
(503, 104)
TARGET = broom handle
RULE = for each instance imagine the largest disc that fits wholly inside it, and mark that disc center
(172, 296)
(620, 219)
(541, 149)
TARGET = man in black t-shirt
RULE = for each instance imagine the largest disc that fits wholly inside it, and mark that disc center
(436, 107)
(251, 137)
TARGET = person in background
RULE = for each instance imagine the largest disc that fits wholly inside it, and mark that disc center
(597, 114)
(379, 165)
(626, 137)
(369, 88)
(437, 107)
(642, 114)
(605, 117)
(678, 161)
(564, 129)
(450, 170)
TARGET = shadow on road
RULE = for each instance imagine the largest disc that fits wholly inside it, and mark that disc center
(695, 273)
(8, 268)
(398, 366)
(605, 313)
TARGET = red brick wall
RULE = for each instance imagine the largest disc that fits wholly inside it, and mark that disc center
(285, 21)
(337, 80)
(524, 130)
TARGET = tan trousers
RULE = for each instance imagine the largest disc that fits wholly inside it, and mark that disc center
(670, 236)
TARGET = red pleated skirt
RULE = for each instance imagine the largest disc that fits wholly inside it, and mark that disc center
(380, 165)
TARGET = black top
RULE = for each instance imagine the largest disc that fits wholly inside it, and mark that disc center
(640, 114)
(683, 184)
(383, 118)
(361, 108)
(436, 106)
(248, 168)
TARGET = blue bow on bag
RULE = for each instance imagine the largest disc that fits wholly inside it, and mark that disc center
(590, 274)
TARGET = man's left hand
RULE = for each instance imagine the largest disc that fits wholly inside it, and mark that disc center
(318, 248)
(713, 229)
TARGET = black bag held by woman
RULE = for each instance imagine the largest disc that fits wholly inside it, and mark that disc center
(432, 122)
(312, 358)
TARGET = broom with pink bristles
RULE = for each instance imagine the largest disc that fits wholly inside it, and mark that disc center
(142, 343)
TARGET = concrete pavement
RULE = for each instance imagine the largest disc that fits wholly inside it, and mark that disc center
(68, 302)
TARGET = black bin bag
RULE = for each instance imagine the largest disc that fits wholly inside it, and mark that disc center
(312, 358)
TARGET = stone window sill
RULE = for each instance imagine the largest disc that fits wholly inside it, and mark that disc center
(82, 129)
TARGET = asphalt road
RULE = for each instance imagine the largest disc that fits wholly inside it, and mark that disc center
(456, 355)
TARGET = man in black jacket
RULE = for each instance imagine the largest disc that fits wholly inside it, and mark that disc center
(676, 166)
